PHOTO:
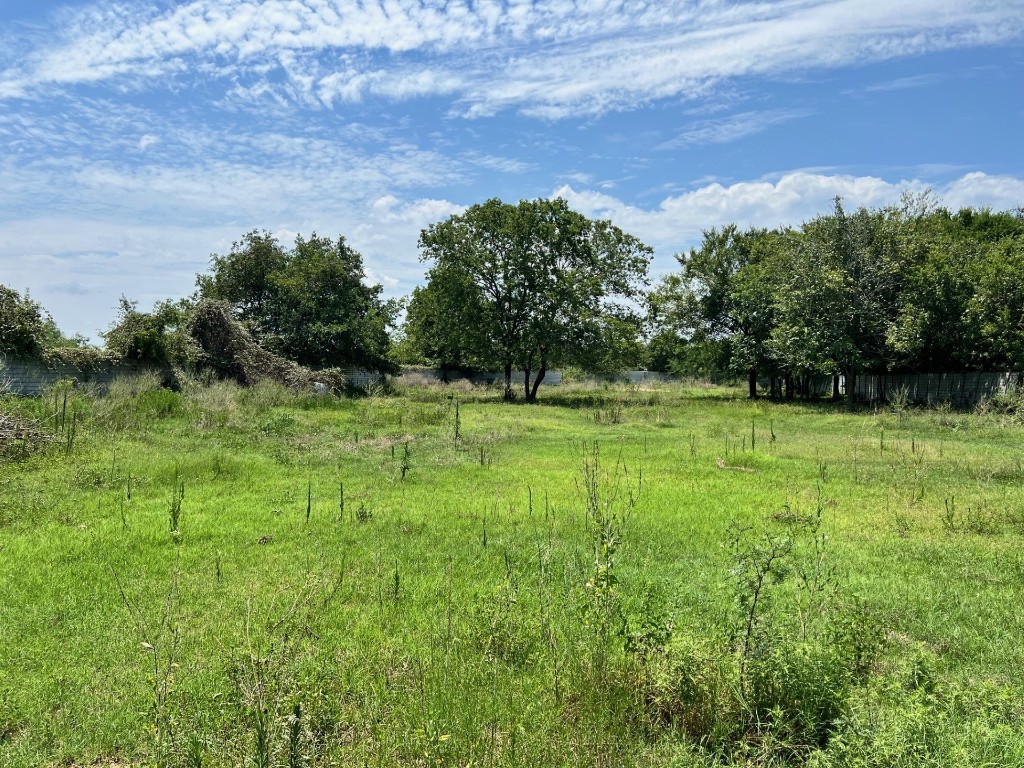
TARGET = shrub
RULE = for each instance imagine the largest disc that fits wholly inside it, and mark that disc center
(231, 352)
(502, 628)
(156, 337)
(25, 327)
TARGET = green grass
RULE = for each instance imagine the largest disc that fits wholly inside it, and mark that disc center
(457, 617)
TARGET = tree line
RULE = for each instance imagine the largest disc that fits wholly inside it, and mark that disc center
(533, 286)
(909, 288)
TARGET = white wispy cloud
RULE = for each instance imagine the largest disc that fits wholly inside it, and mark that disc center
(496, 163)
(98, 258)
(907, 83)
(732, 127)
(135, 203)
(549, 58)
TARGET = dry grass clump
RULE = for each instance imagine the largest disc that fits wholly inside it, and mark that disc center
(420, 387)
(421, 380)
(215, 403)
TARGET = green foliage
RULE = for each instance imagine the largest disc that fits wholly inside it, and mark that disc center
(439, 327)
(778, 684)
(226, 348)
(26, 329)
(528, 287)
(308, 304)
(907, 288)
(998, 304)
(158, 337)
(721, 301)
(503, 627)
(288, 627)
(134, 401)
(245, 277)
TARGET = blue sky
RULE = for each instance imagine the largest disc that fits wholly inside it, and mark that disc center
(138, 138)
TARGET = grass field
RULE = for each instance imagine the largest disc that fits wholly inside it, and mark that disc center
(612, 577)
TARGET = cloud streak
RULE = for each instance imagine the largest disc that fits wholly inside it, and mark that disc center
(732, 128)
(550, 59)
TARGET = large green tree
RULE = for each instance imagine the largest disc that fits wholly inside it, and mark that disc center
(965, 276)
(534, 285)
(997, 309)
(841, 293)
(909, 287)
(310, 304)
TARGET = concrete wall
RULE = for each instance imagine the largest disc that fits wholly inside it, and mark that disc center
(31, 377)
(361, 378)
(961, 390)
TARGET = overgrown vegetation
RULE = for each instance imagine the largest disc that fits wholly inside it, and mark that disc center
(229, 575)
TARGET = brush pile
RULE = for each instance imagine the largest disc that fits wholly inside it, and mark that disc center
(230, 350)
(20, 436)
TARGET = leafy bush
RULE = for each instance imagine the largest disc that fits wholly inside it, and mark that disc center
(690, 686)
(798, 690)
(904, 718)
(501, 627)
(26, 329)
(156, 337)
(1009, 403)
(227, 348)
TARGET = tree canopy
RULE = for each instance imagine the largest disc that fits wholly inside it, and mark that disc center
(911, 287)
(158, 337)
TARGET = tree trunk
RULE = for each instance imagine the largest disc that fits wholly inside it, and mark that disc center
(789, 386)
(540, 377)
(509, 395)
(851, 387)
(526, 384)
(835, 386)
(444, 373)
(752, 383)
